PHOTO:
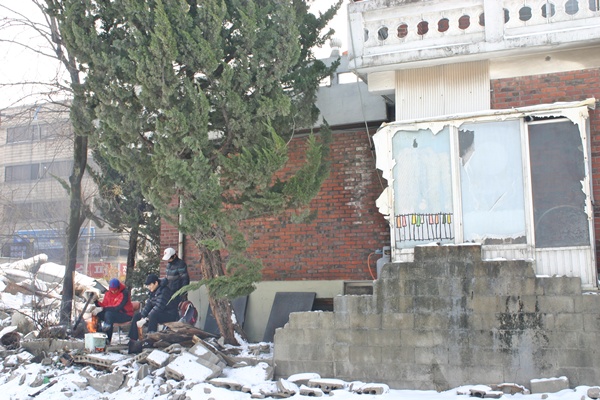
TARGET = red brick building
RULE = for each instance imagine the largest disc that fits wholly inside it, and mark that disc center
(494, 140)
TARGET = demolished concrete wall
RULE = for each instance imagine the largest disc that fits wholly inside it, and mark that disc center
(450, 319)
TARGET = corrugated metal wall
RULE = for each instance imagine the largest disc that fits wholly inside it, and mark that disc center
(442, 90)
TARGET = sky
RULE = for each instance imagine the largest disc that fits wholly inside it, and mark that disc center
(19, 64)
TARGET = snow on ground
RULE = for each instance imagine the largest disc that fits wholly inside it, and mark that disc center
(69, 386)
(22, 379)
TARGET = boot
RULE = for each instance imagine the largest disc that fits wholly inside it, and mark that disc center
(105, 327)
(134, 347)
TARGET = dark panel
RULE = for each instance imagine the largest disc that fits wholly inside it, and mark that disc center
(239, 308)
(557, 170)
(285, 303)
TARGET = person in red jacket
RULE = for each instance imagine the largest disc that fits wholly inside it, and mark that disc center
(115, 307)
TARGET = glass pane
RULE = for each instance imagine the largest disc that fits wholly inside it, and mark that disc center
(557, 172)
(422, 188)
(492, 182)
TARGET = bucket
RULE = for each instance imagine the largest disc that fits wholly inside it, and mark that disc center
(95, 342)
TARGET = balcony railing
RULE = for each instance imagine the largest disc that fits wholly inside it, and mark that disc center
(385, 32)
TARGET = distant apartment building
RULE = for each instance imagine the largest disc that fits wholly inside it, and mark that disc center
(36, 159)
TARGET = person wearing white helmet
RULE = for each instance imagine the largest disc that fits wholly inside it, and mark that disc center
(176, 273)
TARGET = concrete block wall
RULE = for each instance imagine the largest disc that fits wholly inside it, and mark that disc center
(450, 319)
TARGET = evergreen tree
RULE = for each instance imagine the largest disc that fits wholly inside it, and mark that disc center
(123, 207)
(196, 99)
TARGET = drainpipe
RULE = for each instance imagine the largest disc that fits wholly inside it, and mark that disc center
(180, 239)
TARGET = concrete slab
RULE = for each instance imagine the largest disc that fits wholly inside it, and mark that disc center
(549, 385)
(158, 358)
(327, 385)
(188, 367)
(105, 383)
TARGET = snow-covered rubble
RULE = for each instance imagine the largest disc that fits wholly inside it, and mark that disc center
(50, 368)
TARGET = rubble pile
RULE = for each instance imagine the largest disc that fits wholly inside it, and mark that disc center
(172, 362)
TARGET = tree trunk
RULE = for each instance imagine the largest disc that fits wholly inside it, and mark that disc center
(212, 266)
(131, 252)
(75, 222)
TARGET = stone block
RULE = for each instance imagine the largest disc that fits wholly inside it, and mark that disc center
(463, 253)
(397, 321)
(188, 366)
(434, 355)
(383, 338)
(321, 336)
(226, 383)
(591, 323)
(158, 358)
(575, 357)
(556, 304)
(351, 336)
(549, 385)
(365, 355)
(399, 353)
(104, 382)
(428, 304)
(559, 286)
(370, 388)
(568, 322)
(590, 303)
(286, 368)
(433, 320)
(303, 378)
(142, 372)
(201, 351)
(311, 392)
(327, 385)
(286, 388)
(483, 321)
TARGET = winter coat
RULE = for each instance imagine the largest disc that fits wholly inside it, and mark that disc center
(177, 274)
(158, 301)
(117, 302)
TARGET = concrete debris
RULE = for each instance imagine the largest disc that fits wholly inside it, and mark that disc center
(104, 383)
(172, 370)
(593, 392)
(265, 389)
(549, 385)
(201, 351)
(190, 367)
(327, 385)
(310, 391)
(302, 379)
(368, 388)
(510, 388)
(158, 358)
(287, 388)
(226, 383)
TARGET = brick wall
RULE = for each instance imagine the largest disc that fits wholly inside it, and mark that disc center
(337, 243)
(550, 88)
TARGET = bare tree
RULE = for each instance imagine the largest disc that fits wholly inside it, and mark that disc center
(57, 89)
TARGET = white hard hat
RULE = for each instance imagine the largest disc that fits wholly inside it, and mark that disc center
(169, 252)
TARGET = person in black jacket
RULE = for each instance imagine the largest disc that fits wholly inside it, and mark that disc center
(158, 308)
(176, 272)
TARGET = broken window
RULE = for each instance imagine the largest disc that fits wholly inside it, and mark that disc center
(557, 175)
(422, 187)
(491, 180)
